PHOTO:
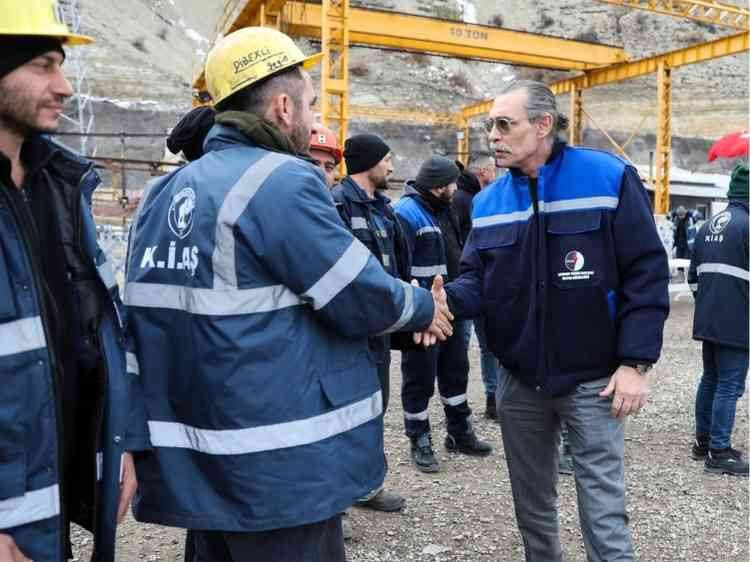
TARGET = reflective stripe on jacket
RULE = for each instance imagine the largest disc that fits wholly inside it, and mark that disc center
(30, 398)
(571, 290)
(720, 278)
(251, 305)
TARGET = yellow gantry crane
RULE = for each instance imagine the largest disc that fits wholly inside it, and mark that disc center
(337, 25)
(706, 11)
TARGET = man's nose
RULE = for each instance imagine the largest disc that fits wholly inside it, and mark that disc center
(60, 85)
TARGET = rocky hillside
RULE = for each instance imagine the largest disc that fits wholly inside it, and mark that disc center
(148, 51)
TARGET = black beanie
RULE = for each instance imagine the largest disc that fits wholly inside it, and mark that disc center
(188, 135)
(16, 51)
(362, 152)
(437, 172)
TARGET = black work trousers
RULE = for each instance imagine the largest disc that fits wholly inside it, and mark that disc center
(316, 542)
(447, 361)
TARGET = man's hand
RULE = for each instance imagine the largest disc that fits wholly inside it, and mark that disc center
(630, 389)
(441, 327)
(127, 486)
(9, 551)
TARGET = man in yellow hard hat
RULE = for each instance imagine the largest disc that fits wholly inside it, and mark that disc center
(68, 414)
(252, 305)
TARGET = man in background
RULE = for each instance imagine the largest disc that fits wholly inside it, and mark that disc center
(719, 278)
(435, 244)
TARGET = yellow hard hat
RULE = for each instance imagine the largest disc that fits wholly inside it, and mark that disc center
(37, 17)
(249, 55)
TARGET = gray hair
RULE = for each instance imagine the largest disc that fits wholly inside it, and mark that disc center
(479, 161)
(540, 101)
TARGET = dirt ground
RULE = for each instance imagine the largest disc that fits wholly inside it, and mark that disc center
(465, 513)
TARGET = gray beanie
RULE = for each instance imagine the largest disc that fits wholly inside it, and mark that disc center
(437, 172)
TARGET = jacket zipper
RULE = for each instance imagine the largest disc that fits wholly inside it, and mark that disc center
(56, 398)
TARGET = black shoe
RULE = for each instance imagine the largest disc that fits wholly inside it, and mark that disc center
(384, 501)
(423, 455)
(468, 444)
(726, 461)
(699, 452)
(491, 411)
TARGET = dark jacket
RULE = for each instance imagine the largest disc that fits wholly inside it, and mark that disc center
(568, 270)
(108, 401)
(719, 278)
(432, 235)
(359, 214)
(251, 305)
(468, 187)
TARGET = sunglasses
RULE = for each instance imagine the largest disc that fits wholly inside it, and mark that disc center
(503, 124)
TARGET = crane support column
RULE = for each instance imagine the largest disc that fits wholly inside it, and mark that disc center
(462, 139)
(334, 76)
(663, 137)
(576, 116)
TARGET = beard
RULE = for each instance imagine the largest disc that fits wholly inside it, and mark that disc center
(446, 196)
(300, 137)
(20, 114)
(380, 183)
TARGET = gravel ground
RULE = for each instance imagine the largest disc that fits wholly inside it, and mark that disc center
(465, 512)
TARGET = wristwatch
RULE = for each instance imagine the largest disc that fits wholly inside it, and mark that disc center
(642, 368)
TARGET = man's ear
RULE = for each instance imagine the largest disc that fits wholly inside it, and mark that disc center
(544, 125)
(281, 111)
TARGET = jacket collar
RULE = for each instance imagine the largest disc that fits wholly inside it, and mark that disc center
(221, 137)
(41, 151)
(557, 149)
(427, 199)
(352, 191)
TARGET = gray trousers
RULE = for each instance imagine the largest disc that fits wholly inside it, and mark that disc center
(531, 437)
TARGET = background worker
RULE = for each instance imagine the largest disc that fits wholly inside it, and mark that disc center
(70, 408)
(435, 243)
(565, 263)
(367, 213)
(269, 423)
(480, 173)
(719, 278)
(325, 152)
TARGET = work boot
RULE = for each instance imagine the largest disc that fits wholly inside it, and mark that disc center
(490, 411)
(726, 461)
(468, 444)
(423, 455)
(699, 452)
(346, 527)
(384, 501)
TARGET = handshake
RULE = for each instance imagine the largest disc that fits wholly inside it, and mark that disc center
(440, 328)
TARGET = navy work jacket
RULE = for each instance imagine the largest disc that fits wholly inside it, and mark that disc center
(571, 276)
(719, 278)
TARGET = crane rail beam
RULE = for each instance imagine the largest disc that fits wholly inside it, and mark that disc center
(716, 13)
(392, 30)
(729, 45)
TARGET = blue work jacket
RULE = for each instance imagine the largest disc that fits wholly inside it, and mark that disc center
(31, 447)
(251, 305)
(571, 276)
(719, 278)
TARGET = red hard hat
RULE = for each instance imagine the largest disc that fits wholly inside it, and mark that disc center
(322, 138)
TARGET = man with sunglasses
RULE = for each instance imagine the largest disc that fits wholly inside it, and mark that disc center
(565, 263)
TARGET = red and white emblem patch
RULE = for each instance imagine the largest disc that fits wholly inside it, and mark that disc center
(574, 260)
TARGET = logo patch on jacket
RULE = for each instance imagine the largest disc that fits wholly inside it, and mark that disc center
(181, 212)
(574, 262)
(720, 222)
